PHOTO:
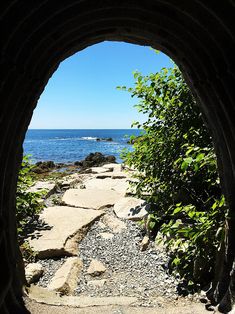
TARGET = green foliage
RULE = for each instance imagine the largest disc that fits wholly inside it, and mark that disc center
(28, 204)
(177, 172)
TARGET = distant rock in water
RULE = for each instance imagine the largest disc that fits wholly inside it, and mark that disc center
(95, 159)
(107, 139)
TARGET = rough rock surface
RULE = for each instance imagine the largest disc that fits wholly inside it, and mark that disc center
(113, 223)
(91, 198)
(66, 277)
(131, 208)
(63, 228)
(69, 181)
(96, 268)
(33, 272)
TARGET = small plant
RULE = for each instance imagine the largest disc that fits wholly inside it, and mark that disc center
(28, 204)
(28, 254)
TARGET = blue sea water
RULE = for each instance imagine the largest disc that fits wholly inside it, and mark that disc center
(67, 146)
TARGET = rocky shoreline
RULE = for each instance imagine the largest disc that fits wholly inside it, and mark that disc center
(90, 243)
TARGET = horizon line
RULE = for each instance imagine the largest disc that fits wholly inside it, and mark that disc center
(83, 129)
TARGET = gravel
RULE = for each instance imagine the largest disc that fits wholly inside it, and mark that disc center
(50, 266)
(130, 272)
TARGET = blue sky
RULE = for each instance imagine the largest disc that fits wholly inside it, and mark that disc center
(82, 93)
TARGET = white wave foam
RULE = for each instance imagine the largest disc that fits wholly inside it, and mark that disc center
(89, 138)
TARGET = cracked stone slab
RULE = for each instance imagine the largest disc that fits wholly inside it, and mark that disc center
(91, 198)
(63, 227)
(131, 208)
(119, 185)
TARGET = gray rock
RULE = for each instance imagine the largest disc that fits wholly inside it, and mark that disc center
(96, 268)
(33, 272)
(131, 208)
(66, 277)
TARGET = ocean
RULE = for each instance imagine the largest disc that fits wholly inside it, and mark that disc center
(68, 146)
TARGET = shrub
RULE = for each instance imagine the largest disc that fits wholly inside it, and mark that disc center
(177, 173)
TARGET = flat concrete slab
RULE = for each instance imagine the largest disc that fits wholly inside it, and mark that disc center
(91, 198)
(131, 208)
(119, 185)
(63, 227)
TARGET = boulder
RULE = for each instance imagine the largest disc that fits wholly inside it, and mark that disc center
(131, 208)
(66, 278)
(63, 228)
(96, 268)
(33, 272)
(91, 198)
(110, 159)
(94, 160)
(44, 166)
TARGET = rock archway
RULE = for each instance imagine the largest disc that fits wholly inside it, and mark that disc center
(37, 35)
